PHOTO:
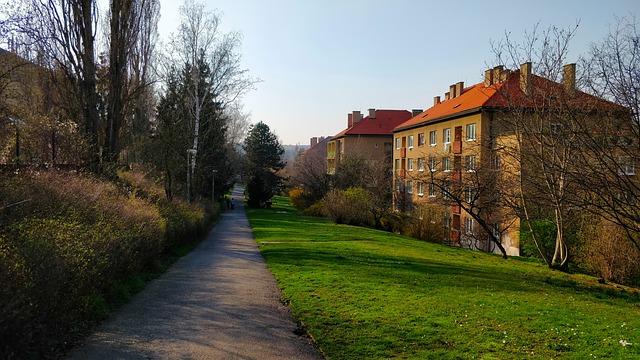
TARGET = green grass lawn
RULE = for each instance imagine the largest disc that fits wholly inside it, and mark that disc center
(366, 294)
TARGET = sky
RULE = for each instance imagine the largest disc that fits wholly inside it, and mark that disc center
(320, 60)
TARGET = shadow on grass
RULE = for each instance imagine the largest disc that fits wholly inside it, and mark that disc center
(369, 266)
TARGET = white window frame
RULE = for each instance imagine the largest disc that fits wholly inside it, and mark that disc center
(433, 164)
(468, 195)
(432, 190)
(470, 162)
(446, 163)
(409, 187)
(468, 225)
(470, 132)
(627, 165)
(420, 188)
(421, 139)
(410, 164)
(433, 138)
(397, 143)
(420, 164)
(410, 141)
(446, 136)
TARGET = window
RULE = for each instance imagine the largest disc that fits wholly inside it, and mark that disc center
(446, 191)
(446, 221)
(433, 163)
(446, 136)
(432, 190)
(469, 195)
(446, 164)
(471, 163)
(421, 139)
(410, 164)
(432, 138)
(495, 162)
(420, 164)
(376, 145)
(468, 226)
(420, 186)
(397, 164)
(471, 132)
(555, 128)
(397, 143)
(409, 186)
(410, 141)
(627, 165)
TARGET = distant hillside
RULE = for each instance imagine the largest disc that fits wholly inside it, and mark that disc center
(291, 150)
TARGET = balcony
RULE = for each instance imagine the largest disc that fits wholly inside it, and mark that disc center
(457, 176)
(331, 154)
(402, 173)
(457, 147)
(455, 209)
(403, 153)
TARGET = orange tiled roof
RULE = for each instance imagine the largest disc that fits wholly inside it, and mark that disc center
(383, 124)
(504, 95)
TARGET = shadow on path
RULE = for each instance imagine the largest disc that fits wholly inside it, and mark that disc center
(218, 302)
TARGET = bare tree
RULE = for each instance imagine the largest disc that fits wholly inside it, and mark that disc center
(612, 71)
(199, 39)
(469, 185)
(543, 120)
(63, 33)
(133, 29)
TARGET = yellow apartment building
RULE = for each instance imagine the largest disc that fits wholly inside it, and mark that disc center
(452, 156)
(368, 137)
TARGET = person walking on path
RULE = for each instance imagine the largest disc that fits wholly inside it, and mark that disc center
(218, 302)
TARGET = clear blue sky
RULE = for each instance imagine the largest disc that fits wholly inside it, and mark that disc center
(320, 60)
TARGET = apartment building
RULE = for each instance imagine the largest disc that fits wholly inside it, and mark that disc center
(367, 137)
(454, 155)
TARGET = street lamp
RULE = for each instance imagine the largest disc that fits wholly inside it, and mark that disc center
(190, 154)
(213, 186)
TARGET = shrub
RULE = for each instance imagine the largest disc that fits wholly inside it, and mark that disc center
(607, 252)
(317, 209)
(351, 206)
(296, 199)
(68, 250)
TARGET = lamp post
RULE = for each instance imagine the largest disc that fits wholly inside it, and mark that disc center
(213, 186)
(190, 154)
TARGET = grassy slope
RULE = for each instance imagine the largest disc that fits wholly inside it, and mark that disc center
(363, 293)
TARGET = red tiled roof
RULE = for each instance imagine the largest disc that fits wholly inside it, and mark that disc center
(383, 124)
(504, 95)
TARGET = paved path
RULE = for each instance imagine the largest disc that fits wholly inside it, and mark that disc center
(218, 302)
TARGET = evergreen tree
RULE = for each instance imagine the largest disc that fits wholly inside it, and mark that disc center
(263, 161)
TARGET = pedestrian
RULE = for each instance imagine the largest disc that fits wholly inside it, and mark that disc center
(233, 204)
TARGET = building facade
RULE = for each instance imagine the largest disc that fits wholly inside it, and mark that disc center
(461, 155)
(369, 137)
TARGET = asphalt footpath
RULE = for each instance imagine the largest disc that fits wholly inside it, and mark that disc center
(218, 302)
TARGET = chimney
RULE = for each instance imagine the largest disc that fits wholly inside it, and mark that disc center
(452, 91)
(349, 120)
(569, 78)
(459, 88)
(372, 113)
(321, 139)
(488, 78)
(314, 141)
(436, 100)
(525, 78)
(357, 116)
(496, 74)
(415, 112)
(446, 96)
(505, 74)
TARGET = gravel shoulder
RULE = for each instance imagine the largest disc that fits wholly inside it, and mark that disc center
(218, 302)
